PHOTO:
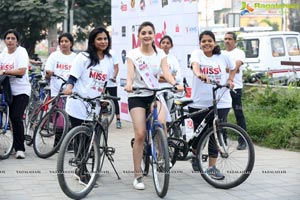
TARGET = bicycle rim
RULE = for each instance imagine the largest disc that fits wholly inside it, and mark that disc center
(33, 120)
(160, 162)
(6, 137)
(235, 165)
(102, 141)
(75, 163)
(49, 133)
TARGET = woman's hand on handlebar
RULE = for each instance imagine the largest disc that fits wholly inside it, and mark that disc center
(68, 90)
(203, 78)
(230, 84)
(128, 88)
(179, 88)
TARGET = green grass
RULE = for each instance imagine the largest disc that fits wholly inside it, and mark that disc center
(272, 116)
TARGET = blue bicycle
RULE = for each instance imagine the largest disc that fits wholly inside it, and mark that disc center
(156, 150)
(6, 132)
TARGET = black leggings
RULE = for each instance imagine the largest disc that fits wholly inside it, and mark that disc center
(113, 92)
(16, 112)
(223, 113)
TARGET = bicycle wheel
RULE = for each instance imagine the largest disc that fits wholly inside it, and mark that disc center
(103, 137)
(6, 135)
(31, 122)
(77, 165)
(160, 162)
(49, 133)
(108, 110)
(235, 165)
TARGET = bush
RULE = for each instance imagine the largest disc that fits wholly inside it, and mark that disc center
(272, 116)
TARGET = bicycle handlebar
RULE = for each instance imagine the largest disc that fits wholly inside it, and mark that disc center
(100, 97)
(59, 77)
(137, 89)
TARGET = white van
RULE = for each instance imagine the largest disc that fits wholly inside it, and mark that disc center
(265, 52)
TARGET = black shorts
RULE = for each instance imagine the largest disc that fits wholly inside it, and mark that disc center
(143, 102)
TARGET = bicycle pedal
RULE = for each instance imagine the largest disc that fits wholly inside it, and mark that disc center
(27, 137)
(110, 150)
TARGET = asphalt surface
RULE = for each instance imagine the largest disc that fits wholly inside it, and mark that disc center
(276, 176)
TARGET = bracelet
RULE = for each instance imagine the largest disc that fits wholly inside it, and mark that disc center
(175, 84)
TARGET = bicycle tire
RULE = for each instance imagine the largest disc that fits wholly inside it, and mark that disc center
(109, 114)
(6, 137)
(236, 165)
(102, 137)
(160, 162)
(33, 118)
(79, 139)
(48, 136)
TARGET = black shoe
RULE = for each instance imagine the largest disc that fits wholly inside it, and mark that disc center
(241, 146)
(82, 176)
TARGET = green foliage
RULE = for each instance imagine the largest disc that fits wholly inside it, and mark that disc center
(272, 116)
(31, 18)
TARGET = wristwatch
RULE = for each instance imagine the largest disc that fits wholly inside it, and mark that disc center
(4, 72)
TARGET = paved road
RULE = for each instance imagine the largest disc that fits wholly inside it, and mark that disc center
(276, 176)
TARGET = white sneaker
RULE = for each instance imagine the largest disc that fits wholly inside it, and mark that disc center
(20, 155)
(138, 183)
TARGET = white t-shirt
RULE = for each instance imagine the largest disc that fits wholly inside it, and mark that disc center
(18, 59)
(215, 68)
(60, 64)
(89, 83)
(174, 68)
(237, 54)
(112, 69)
(142, 61)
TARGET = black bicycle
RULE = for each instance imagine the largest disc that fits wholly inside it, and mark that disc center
(221, 137)
(81, 154)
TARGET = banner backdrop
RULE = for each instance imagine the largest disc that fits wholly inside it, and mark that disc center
(176, 18)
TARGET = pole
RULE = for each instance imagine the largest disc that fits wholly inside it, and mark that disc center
(66, 16)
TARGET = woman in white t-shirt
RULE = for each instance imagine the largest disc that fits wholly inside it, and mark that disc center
(60, 62)
(14, 61)
(88, 75)
(143, 68)
(208, 63)
(166, 44)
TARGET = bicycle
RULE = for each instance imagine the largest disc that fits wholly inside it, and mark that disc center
(156, 150)
(6, 128)
(39, 95)
(222, 137)
(52, 127)
(89, 142)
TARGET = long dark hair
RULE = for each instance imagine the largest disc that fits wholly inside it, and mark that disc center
(69, 36)
(217, 49)
(91, 49)
(144, 24)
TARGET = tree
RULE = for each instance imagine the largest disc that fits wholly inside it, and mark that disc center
(89, 14)
(31, 18)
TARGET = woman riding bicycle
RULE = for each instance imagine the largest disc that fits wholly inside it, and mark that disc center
(88, 75)
(209, 63)
(143, 68)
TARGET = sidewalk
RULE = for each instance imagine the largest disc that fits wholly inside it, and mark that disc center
(276, 176)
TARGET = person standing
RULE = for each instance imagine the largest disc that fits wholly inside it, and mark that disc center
(208, 63)
(14, 61)
(143, 68)
(60, 64)
(238, 57)
(166, 44)
(112, 87)
(88, 76)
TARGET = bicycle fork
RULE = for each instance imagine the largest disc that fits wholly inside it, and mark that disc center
(219, 138)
